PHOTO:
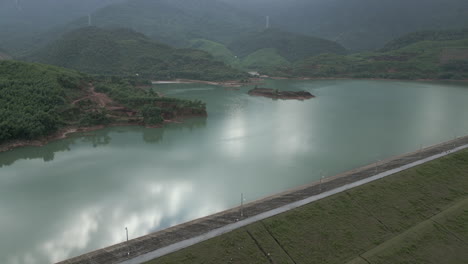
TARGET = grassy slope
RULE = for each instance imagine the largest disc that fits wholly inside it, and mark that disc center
(218, 50)
(420, 60)
(365, 220)
(125, 52)
(288, 45)
(264, 59)
(267, 50)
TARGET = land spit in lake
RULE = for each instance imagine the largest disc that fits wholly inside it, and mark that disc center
(285, 95)
(84, 190)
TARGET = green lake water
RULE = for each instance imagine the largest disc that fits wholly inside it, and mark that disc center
(78, 194)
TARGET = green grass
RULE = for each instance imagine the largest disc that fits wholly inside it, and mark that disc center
(420, 60)
(291, 46)
(217, 50)
(416, 216)
(264, 59)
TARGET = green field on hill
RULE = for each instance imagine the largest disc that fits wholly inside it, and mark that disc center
(425, 59)
(416, 216)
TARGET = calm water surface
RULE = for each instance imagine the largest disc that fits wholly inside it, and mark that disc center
(79, 194)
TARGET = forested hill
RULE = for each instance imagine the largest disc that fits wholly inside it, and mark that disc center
(176, 22)
(359, 24)
(447, 59)
(37, 100)
(427, 35)
(125, 52)
(33, 98)
(290, 46)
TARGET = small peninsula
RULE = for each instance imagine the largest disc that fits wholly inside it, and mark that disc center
(284, 95)
(40, 103)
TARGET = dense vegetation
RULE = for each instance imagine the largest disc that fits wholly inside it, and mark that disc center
(33, 99)
(148, 104)
(36, 100)
(125, 52)
(288, 45)
(421, 60)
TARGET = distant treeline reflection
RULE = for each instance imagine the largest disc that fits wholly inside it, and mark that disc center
(99, 138)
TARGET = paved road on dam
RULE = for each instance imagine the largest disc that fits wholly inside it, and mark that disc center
(166, 241)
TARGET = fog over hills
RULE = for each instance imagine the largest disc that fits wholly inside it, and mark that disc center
(359, 24)
(356, 24)
(176, 22)
(23, 21)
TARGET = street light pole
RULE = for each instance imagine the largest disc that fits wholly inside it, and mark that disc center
(321, 178)
(242, 204)
(128, 249)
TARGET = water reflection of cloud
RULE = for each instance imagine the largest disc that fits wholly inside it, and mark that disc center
(76, 236)
(155, 205)
(291, 117)
(234, 130)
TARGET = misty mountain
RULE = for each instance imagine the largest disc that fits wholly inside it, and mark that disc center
(291, 46)
(126, 52)
(22, 22)
(176, 22)
(359, 24)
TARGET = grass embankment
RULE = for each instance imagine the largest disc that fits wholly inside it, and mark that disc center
(416, 216)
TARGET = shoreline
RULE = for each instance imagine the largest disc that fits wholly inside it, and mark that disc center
(259, 80)
(372, 79)
(70, 130)
(232, 83)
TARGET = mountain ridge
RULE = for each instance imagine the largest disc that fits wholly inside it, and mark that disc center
(126, 52)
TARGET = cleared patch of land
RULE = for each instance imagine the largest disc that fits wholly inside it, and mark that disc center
(416, 216)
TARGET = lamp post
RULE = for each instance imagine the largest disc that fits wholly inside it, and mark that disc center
(242, 205)
(128, 249)
(321, 179)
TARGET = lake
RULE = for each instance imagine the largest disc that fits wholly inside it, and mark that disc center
(78, 194)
